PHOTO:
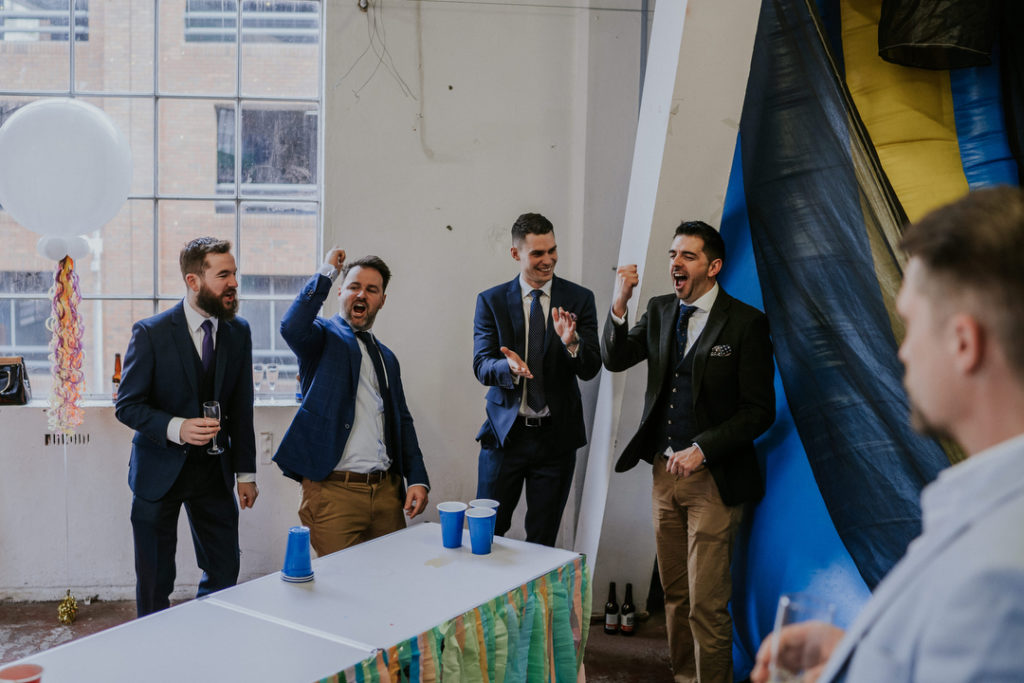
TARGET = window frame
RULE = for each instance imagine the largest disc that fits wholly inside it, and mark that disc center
(238, 197)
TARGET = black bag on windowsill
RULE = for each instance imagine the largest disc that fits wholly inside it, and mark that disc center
(14, 387)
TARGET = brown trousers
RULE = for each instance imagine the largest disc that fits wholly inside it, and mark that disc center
(695, 531)
(341, 514)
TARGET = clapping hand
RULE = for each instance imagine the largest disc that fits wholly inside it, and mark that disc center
(565, 325)
(516, 364)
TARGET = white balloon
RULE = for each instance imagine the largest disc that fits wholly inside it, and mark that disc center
(65, 168)
(53, 248)
(78, 247)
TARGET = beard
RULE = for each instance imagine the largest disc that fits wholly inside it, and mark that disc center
(214, 305)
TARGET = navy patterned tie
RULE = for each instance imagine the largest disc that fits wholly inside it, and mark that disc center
(207, 344)
(385, 391)
(535, 354)
(682, 325)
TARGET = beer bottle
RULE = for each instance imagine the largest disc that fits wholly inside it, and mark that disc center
(627, 620)
(115, 381)
(611, 612)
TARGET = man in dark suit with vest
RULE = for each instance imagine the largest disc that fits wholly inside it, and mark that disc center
(709, 395)
(195, 352)
(532, 338)
(352, 443)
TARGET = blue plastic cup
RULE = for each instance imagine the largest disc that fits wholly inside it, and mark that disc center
(481, 529)
(453, 515)
(487, 503)
(297, 563)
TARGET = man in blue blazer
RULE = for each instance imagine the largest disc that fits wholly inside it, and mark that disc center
(352, 443)
(533, 338)
(195, 352)
(952, 610)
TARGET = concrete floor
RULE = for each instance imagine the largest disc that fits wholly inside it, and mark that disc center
(29, 627)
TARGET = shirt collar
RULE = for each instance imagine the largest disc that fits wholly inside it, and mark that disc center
(526, 289)
(981, 478)
(706, 300)
(195, 319)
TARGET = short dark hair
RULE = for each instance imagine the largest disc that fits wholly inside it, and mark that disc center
(192, 258)
(714, 245)
(976, 245)
(371, 261)
(530, 224)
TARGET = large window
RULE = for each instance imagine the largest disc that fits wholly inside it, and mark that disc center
(224, 130)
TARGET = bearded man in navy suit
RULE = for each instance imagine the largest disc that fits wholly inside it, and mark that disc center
(195, 352)
(352, 443)
(533, 338)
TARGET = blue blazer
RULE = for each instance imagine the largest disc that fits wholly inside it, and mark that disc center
(329, 359)
(160, 381)
(499, 321)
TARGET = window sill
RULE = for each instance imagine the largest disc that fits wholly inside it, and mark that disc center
(89, 403)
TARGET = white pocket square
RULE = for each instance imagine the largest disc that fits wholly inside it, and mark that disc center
(721, 351)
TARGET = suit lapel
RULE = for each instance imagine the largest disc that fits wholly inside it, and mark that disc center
(355, 354)
(668, 310)
(557, 299)
(225, 339)
(905, 572)
(717, 317)
(514, 300)
(182, 339)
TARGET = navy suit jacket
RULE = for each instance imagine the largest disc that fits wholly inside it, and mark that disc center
(733, 386)
(499, 321)
(329, 359)
(160, 381)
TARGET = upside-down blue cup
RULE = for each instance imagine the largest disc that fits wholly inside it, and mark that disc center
(481, 529)
(453, 515)
(298, 567)
(487, 503)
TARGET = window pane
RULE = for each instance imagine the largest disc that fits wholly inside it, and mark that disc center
(189, 151)
(119, 53)
(280, 50)
(34, 53)
(134, 118)
(279, 150)
(120, 260)
(205, 68)
(108, 329)
(180, 223)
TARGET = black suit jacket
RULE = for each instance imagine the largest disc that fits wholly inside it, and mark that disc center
(499, 321)
(160, 381)
(733, 386)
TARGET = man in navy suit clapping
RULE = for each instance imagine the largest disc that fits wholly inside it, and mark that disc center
(533, 338)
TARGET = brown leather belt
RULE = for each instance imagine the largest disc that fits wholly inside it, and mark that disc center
(358, 477)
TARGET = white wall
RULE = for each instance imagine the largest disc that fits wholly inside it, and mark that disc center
(540, 116)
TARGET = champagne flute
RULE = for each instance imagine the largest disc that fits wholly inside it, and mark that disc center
(211, 409)
(257, 375)
(272, 377)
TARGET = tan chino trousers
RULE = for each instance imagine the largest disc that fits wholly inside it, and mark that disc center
(694, 531)
(341, 514)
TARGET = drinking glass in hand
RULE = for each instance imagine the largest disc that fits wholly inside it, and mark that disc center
(257, 375)
(796, 608)
(271, 377)
(211, 409)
